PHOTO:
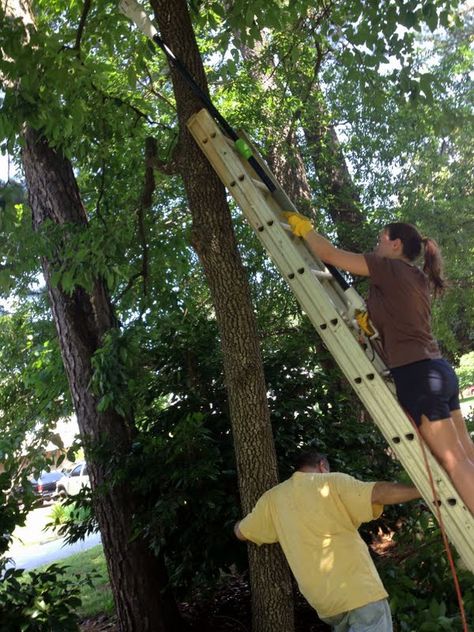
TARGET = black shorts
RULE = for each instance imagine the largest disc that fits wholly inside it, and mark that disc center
(427, 387)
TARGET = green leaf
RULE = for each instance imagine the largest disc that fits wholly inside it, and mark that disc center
(444, 19)
(425, 85)
(407, 18)
(430, 14)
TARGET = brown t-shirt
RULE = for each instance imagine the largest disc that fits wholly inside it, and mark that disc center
(399, 305)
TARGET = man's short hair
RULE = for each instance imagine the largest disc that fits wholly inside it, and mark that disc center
(310, 458)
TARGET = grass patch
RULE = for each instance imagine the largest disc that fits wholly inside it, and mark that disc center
(96, 599)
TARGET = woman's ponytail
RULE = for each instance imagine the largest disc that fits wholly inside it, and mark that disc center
(433, 265)
(412, 243)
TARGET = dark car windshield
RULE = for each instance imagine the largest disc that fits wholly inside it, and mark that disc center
(48, 477)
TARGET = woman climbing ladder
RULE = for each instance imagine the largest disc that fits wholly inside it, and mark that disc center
(400, 307)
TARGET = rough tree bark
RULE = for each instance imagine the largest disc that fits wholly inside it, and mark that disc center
(214, 241)
(138, 578)
(82, 319)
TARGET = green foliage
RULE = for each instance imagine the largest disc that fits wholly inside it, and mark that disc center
(419, 581)
(73, 518)
(68, 512)
(109, 380)
(40, 601)
(32, 392)
(11, 515)
(465, 370)
(182, 468)
(96, 597)
(414, 162)
(361, 36)
(18, 263)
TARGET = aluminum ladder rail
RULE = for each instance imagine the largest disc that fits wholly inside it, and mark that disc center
(330, 310)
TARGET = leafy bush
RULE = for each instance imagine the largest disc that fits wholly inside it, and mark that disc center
(43, 601)
(419, 581)
(74, 518)
(12, 514)
(465, 370)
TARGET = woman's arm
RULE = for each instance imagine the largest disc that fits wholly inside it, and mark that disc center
(322, 248)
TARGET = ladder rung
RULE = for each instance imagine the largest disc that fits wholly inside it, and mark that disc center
(322, 274)
(260, 185)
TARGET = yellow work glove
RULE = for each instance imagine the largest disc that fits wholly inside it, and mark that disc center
(299, 224)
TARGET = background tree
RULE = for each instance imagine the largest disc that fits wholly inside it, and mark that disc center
(84, 317)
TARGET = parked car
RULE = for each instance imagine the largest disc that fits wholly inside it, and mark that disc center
(45, 485)
(71, 483)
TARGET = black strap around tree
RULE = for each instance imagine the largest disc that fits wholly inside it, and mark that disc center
(202, 96)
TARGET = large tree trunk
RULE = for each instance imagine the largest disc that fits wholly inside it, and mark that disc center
(214, 241)
(137, 577)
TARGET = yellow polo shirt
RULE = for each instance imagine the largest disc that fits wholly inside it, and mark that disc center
(315, 518)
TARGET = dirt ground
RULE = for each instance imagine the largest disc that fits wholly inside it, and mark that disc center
(100, 623)
(227, 611)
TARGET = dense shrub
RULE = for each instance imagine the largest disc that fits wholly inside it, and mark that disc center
(40, 601)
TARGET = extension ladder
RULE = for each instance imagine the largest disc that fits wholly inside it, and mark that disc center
(331, 309)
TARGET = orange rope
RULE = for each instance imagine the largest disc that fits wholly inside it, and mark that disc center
(442, 528)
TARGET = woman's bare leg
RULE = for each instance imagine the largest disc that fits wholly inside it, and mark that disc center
(442, 438)
(463, 434)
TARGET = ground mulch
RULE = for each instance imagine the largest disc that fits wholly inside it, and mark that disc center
(99, 623)
(228, 610)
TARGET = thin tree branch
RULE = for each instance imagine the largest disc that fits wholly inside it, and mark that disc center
(82, 23)
(130, 283)
(169, 167)
(146, 203)
(101, 195)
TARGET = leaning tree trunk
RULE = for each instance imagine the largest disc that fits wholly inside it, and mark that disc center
(214, 241)
(82, 318)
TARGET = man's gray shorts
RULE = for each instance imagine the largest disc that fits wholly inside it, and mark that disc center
(374, 617)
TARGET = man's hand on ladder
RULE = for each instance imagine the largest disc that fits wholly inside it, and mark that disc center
(299, 224)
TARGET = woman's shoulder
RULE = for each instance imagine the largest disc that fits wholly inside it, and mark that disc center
(381, 268)
(396, 273)
(400, 265)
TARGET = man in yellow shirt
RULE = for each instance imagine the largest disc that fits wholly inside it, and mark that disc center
(315, 516)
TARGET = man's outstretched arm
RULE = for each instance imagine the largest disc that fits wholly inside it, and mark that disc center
(238, 532)
(393, 493)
